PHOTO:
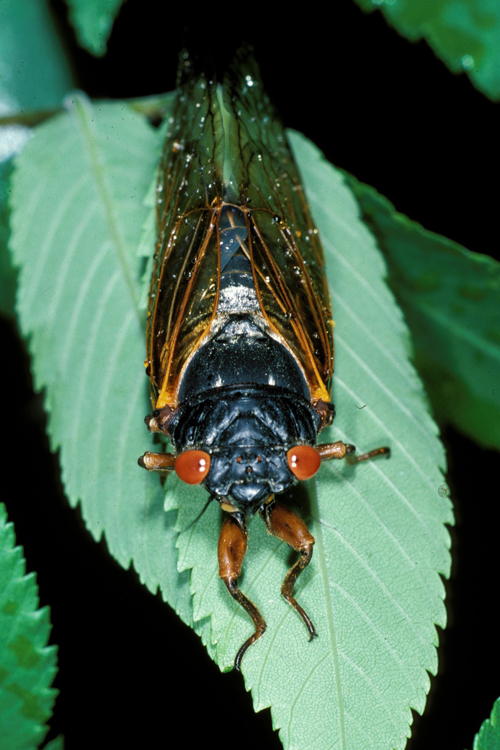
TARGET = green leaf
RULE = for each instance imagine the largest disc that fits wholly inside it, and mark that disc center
(93, 21)
(35, 71)
(74, 239)
(450, 297)
(373, 588)
(35, 74)
(8, 277)
(56, 744)
(27, 664)
(465, 34)
(488, 737)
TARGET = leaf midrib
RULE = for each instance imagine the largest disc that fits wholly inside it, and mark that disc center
(321, 555)
(89, 140)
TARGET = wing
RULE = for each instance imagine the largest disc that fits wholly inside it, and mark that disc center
(184, 287)
(286, 251)
(236, 153)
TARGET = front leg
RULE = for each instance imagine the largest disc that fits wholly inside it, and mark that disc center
(157, 461)
(231, 552)
(338, 450)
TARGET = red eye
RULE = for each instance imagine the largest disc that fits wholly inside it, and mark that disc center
(192, 466)
(303, 461)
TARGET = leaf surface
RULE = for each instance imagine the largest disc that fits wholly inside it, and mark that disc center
(373, 589)
(450, 298)
(93, 22)
(35, 75)
(488, 737)
(35, 70)
(465, 34)
(7, 272)
(55, 744)
(27, 664)
(75, 240)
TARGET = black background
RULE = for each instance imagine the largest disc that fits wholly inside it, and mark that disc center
(130, 673)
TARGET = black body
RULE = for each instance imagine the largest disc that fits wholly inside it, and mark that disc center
(243, 396)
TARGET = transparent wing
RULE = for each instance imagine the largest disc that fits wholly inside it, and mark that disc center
(286, 250)
(185, 282)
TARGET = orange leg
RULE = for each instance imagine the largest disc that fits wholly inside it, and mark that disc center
(231, 551)
(344, 450)
(286, 525)
(157, 461)
(371, 454)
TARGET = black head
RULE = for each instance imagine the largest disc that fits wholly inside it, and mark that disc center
(241, 444)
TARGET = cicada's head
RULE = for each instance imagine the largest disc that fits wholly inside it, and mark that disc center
(247, 447)
(244, 477)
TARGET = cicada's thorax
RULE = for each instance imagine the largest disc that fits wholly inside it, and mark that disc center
(243, 396)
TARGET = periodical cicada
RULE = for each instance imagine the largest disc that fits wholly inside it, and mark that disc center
(239, 333)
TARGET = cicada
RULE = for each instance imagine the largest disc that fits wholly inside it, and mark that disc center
(240, 331)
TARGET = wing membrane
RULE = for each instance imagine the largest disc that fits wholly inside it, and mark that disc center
(185, 282)
(287, 253)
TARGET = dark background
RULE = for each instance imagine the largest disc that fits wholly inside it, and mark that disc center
(130, 673)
